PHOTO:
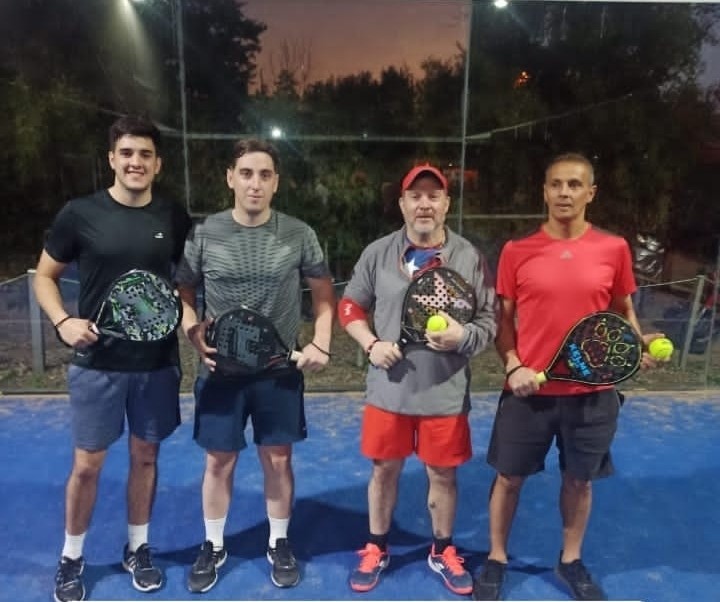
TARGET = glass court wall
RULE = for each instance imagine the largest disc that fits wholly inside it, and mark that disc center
(356, 93)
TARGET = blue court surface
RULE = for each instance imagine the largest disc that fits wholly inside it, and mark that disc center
(654, 534)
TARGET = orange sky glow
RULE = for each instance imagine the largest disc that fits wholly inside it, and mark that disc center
(344, 37)
(347, 37)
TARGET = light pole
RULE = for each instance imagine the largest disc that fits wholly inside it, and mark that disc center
(176, 15)
(180, 49)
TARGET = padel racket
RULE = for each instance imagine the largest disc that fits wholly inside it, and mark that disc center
(437, 289)
(601, 349)
(139, 306)
(247, 343)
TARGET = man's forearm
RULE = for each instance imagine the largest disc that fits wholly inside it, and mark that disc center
(48, 296)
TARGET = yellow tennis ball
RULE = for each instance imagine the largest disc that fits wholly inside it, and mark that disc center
(436, 323)
(661, 349)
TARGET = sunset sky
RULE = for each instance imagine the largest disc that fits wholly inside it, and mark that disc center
(349, 36)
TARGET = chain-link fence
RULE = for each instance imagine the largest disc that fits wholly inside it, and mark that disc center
(32, 359)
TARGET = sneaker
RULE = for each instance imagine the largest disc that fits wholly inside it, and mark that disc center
(372, 562)
(488, 583)
(68, 585)
(203, 574)
(450, 567)
(579, 581)
(285, 572)
(146, 577)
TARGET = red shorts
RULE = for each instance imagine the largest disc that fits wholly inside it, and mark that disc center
(437, 440)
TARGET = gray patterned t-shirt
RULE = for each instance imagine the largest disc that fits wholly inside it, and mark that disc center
(259, 267)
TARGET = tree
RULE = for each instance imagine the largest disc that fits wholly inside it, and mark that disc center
(220, 51)
(616, 81)
(291, 67)
(69, 68)
(440, 93)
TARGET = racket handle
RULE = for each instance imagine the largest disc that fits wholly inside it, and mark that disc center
(541, 378)
(295, 356)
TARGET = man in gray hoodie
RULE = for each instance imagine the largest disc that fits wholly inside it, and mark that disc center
(418, 398)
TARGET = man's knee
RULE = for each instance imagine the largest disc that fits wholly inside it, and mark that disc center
(442, 475)
(143, 452)
(87, 465)
(576, 486)
(510, 485)
(276, 459)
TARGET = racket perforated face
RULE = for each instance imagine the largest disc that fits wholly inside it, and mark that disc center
(602, 348)
(139, 306)
(247, 343)
(438, 289)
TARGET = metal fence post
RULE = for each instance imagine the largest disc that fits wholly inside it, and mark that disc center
(692, 321)
(713, 314)
(36, 328)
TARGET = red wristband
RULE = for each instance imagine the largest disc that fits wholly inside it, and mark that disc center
(349, 311)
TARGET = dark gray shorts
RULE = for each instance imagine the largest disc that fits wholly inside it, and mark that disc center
(583, 427)
(100, 401)
(274, 404)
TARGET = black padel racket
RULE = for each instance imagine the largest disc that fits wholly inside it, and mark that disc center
(601, 349)
(437, 289)
(247, 343)
(139, 306)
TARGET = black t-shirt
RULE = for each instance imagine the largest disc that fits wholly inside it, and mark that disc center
(107, 239)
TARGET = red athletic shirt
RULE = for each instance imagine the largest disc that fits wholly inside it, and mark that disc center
(554, 283)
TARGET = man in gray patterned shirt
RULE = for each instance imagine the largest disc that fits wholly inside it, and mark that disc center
(254, 256)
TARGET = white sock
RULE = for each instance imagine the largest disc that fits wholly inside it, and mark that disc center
(73, 546)
(214, 532)
(137, 536)
(278, 529)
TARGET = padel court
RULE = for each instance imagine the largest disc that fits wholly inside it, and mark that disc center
(654, 533)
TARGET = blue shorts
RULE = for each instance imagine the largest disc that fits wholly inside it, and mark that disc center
(583, 427)
(274, 404)
(101, 399)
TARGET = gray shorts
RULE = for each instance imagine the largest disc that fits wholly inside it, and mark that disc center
(100, 400)
(583, 427)
(274, 404)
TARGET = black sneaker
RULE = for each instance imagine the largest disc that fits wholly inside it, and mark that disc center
(488, 583)
(68, 585)
(579, 581)
(285, 572)
(203, 574)
(146, 577)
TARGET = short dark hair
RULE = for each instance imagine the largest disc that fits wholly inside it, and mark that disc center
(573, 158)
(255, 145)
(134, 125)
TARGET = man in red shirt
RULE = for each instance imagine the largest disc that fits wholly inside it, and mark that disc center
(546, 282)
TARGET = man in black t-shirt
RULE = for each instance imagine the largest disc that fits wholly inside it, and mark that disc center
(109, 233)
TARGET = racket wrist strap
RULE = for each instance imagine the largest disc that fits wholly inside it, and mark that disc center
(320, 349)
(61, 322)
(512, 371)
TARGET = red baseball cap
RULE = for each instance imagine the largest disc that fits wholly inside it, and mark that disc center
(419, 170)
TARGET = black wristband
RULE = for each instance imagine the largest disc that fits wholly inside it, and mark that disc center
(57, 330)
(320, 349)
(512, 371)
(370, 346)
(60, 322)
